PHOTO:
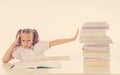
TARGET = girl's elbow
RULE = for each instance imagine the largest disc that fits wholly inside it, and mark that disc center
(5, 61)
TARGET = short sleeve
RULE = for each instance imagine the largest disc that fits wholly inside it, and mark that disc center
(43, 45)
(15, 53)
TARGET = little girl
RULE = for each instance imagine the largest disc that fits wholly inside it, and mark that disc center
(28, 47)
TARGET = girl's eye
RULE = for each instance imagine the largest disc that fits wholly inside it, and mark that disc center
(23, 40)
(28, 40)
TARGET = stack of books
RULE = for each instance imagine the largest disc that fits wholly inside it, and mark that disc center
(96, 43)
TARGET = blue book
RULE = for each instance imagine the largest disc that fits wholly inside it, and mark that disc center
(43, 67)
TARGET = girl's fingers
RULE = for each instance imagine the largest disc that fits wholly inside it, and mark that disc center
(77, 32)
(17, 39)
(76, 35)
(18, 36)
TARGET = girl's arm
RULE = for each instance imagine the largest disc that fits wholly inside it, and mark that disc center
(7, 57)
(62, 41)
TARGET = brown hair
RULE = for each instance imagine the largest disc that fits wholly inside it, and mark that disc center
(35, 35)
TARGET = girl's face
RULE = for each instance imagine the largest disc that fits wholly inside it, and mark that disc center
(26, 40)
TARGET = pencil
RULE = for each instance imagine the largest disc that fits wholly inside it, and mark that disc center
(12, 66)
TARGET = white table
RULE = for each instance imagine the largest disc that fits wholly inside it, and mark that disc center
(66, 68)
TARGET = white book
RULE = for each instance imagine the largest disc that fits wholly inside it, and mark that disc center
(96, 51)
(93, 30)
(95, 24)
(90, 47)
(96, 39)
(105, 37)
(96, 57)
(96, 54)
(36, 64)
(102, 49)
(95, 27)
(95, 42)
(94, 46)
(93, 33)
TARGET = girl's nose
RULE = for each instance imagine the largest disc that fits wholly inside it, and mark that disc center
(26, 44)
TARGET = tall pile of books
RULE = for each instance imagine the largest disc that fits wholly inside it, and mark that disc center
(96, 43)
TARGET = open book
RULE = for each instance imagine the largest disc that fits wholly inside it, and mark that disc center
(36, 65)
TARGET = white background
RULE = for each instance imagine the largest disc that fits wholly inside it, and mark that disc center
(57, 19)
